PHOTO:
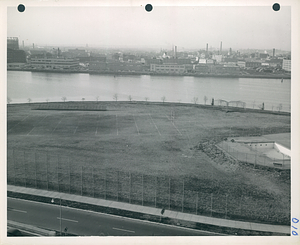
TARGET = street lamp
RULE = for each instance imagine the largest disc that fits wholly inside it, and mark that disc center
(52, 201)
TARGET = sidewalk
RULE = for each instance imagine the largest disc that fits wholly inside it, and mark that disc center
(154, 211)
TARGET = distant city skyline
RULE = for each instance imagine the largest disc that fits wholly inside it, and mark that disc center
(132, 27)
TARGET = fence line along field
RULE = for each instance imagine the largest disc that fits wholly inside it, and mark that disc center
(146, 154)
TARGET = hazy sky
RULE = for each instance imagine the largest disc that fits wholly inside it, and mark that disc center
(186, 27)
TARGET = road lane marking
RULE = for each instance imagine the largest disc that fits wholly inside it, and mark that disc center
(125, 218)
(71, 220)
(118, 229)
(17, 210)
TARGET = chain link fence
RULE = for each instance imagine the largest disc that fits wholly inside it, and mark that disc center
(58, 173)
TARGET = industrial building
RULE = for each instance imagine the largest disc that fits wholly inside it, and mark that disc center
(168, 68)
(12, 43)
(286, 65)
(54, 63)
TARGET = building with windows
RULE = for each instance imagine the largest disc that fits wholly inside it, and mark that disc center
(54, 63)
(168, 68)
(13, 43)
(286, 65)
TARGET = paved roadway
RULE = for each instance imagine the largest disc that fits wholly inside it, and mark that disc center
(88, 223)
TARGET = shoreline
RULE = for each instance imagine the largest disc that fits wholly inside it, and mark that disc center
(227, 109)
(261, 76)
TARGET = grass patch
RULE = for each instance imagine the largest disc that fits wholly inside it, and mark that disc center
(135, 152)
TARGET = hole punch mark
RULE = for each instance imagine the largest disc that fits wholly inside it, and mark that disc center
(276, 6)
(148, 7)
(21, 8)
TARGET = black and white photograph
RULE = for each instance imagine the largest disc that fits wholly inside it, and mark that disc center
(157, 122)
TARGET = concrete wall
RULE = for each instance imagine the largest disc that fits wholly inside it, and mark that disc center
(283, 150)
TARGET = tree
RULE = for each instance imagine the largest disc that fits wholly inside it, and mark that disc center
(130, 98)
(9, 100)
(115, 97)
(64, 98)
(253, 104)
(195, 100)
(83, 99)
(163, 99)
(146, 99)
(29, 100)
(205, 99)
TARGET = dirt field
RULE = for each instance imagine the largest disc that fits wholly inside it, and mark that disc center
(148, 141)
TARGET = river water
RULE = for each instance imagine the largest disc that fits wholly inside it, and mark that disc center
(40, 86)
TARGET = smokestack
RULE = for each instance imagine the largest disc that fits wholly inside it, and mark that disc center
(33, 45)
(175, 52)
(207, 48)
(273, 52)
(221, 48)
(23, 44)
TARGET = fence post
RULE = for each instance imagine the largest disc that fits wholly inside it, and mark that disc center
(93, 181)
(197, 203)
(182, 195)
(25, 175)
(104, 183)
(118, 185)
(69, 175)
(13, 159)
(81, 179)
(130, 187)
(35, 170)
(241, 204)
(226, 207)
(47, 159)
(169, 194)
(142, 190)
(211, 204)
(155, 191)
(57, 172)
